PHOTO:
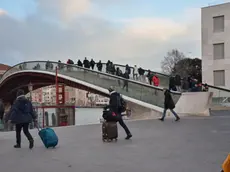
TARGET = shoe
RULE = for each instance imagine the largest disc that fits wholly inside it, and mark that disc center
(178, 119)
(17, 146)
(31, 144)
(161, 119)
(128, 136)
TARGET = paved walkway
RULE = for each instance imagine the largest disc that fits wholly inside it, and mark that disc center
(192, 145)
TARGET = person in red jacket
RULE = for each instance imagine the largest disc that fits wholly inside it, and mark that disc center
(156, 81)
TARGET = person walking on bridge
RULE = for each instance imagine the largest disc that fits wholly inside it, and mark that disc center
(22, 114)
(115, 106)
(168, 104)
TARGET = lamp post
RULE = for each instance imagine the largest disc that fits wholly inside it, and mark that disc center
(30, 88)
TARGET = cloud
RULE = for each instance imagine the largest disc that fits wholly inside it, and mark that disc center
(2, 12)
(64, 9)
(142, 41)
(160, 29)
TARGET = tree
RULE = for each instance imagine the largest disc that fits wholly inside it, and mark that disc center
(188, 67)
(172, 58)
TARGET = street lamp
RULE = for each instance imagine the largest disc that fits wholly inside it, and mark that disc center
(30, 88)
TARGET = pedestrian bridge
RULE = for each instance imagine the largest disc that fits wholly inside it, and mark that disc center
(40, 74)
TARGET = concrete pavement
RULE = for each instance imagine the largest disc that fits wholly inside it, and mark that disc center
(194, 144)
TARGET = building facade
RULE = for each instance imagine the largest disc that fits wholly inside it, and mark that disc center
(3, 69)
(73, 96)
(215, 23)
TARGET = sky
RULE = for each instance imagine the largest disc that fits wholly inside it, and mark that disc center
(137, 32)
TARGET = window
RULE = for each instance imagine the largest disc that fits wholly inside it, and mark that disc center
(219, 78)
(218, 51)
(218, 24)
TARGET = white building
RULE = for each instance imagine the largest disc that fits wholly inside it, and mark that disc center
(216, 45)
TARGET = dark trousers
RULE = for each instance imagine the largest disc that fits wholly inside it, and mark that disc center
(25, 127)
(121, 122)
(125, 85)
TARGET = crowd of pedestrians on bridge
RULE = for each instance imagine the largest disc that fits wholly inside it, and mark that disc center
(176, 83)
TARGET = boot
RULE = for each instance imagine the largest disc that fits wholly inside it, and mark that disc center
(161, 119)
(17, 146)
(128, 136)
(31, 145)
(177, 119)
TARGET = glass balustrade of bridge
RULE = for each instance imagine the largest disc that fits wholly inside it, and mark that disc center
(139, 91)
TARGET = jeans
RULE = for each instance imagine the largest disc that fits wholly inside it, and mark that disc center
(121, 122)
(25, 127)
(173, 112)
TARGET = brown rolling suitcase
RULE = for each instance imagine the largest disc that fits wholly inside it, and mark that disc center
(109, 131)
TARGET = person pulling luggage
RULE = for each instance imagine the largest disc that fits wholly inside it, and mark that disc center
(22, 114)
(115, 105)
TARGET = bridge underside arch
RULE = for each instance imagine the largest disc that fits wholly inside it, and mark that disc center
(11, 84)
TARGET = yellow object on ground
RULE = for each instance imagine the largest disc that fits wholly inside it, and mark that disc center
(226, 164)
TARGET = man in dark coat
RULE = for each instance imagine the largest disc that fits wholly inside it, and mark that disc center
(92, 64)
(86, 63)
(79, 63)
(2, 109)
(99, 66)
(127, 68)
(114, 106)
(22, 114)
(169, 104)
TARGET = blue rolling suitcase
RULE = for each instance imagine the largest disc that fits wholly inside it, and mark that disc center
(48, 137)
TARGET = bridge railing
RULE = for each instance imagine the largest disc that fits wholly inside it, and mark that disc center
(140, 91)
(221, 96)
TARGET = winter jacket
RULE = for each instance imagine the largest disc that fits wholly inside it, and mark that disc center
(127, 68)
(86, 63)
(92, 63)
(118, 72)
(79, 63)
(135, 70)
(126, 75)
(114, 102)
(99, 66)
(168, 103)
(156, 81)
(22, 111)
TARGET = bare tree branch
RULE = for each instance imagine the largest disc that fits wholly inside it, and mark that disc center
(170, 60)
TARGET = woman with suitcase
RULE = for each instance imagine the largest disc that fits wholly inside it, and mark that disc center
(22, 114)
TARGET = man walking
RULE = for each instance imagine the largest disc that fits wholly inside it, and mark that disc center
(115, 106)
(169, 104)
(22, 114)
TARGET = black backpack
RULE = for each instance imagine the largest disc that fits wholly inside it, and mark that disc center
(122, 104)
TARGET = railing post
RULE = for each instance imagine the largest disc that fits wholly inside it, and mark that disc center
(57, 89)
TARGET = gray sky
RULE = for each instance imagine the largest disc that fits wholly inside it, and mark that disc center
(62, 29)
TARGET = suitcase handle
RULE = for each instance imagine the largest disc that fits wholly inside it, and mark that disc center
(38, 127)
